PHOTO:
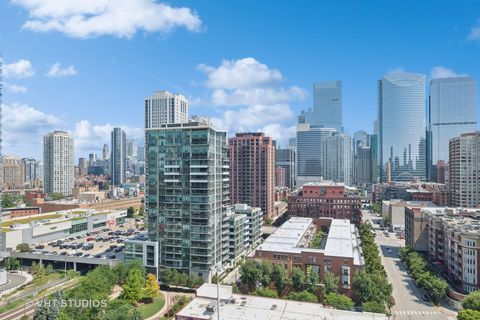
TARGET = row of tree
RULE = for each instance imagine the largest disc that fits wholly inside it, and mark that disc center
(370, 285)
(96, 287)
(471, 307)
(171, 277)
(418, 267)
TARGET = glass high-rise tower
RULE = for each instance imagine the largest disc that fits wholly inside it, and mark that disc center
(401, 120)
(187, 195)
(118, 157)
(452, 111)
(327, 106)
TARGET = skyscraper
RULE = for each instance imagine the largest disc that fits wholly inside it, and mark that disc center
(131, 149)
(83, 166)
(338, 157)
(118, 157)
(105, 152)
(165, 107)
(327, 106)
(287, 158)
(401, 120)
(30, 169)
(252, 173)
(187, 195)
(363, 165)
(58, 161)
(452, 111)
(360, 138)
(464, 166)
(310, 152)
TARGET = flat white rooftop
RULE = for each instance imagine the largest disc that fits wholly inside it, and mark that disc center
(245, 307)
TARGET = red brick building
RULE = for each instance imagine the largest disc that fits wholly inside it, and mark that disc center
(326, 199)
(252, 170)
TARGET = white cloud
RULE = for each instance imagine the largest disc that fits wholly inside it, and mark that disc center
(254, 96)
(56, 71)
(474, 34)
(442, 72)
(13, 88)
(279, 132)
(119, 18)
(24, 126)
(240, 74)
(20, 69)
(90, 138)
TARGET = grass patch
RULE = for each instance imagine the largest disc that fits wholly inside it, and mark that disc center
(149, 309)
(14, 304)
(6, 224)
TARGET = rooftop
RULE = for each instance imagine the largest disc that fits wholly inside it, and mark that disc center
(244, 307)
(342, 241)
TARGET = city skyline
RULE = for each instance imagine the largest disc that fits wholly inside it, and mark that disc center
(275, 86)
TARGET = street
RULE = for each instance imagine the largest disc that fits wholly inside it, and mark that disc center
(409, 304)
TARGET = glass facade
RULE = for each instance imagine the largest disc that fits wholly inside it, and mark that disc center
(187, 192)
(401, 116)
(452, 111)
(118, 156)
(327, 106)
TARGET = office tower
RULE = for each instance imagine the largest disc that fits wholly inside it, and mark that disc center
(401, 121)
(429, 168)
(30, 169)
(464, 184)
(92, 159)
(141, 153)
(164, 107)
(58, 154)
(252, 170)
(452, 111)
(310, 154)
(442, 172)
(339, 158)
(105, 152)
(373, 142)
(280, 177)
(13, 173)
(118, 156)
(131, 149)
(187, 195)
(363, 165)
(360, 138)
(286, 158)
(327, 106)
(82, 167)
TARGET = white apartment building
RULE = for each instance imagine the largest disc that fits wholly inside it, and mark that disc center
(58, 159)
(165, 107)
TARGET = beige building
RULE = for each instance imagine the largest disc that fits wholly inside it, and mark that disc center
(13, 173)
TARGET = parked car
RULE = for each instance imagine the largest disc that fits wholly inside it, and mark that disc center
(41, 246)
(78, 254)
(119, 249)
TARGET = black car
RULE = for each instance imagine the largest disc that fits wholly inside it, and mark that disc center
(119, 249)
(63, 253)
(108, 250)
(78, 254)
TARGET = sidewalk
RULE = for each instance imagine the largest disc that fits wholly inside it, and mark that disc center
(164, 308)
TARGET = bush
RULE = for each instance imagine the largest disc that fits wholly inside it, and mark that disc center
(266, 292)
(23, 247)
(472, 301)
(302, 296)
(338, 301)
(468, 314)
(374, 306)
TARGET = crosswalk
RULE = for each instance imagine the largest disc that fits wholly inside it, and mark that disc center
(415, 312)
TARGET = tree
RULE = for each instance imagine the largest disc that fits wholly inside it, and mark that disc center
(121, 310)
(8, 201)
(472, 301)
(437, 288)
(338, 301)
(12, 263)
(371, 286)
(23, 247)
(266, 292)
(132, 290)
(280, 278)
(468, 314)
(49, 309)
(250, 274)
(302, 296)
(168, 276)
(141, 210)
(298, 279)
(317, 240)
(373, 306)
(312, 281)
(120, 271)
(376, 208)
(57, 196)
(265, 268)
(130, 212)
(151, 287)
(330, 282)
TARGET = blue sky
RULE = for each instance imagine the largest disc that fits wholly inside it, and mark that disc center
(249, 65)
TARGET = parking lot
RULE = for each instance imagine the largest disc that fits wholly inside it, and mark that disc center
(106, 243)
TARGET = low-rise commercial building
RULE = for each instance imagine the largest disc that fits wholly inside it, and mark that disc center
(244, 307)
(339, 251)
(326, 199)
(393, 211)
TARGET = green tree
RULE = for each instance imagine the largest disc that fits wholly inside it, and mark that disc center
(302, 296)
(130, 212)
(298, 279)
(23, 247)
(8, 201)
(133, 287)
(49, 309)
(250, 274)
(376, 208)
(12, 263)
(317, 240)
(141, 210)
(265, 268)
(371, 287)
(468, 314)
(374, 306)
(24, 317)
(57, 196)
(437, 288)
(151, 287)
(312, 281)
(472, 301)
(168, 276)
(330, 282)
(338, 301)
(280, 278)
(266, 292)
(121, 310)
